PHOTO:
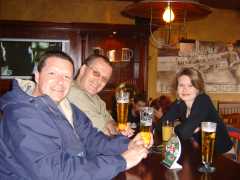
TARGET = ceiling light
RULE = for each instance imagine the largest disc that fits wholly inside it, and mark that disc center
(168, 15)
(173, 12)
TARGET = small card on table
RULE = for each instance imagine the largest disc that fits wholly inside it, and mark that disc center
(172, 153)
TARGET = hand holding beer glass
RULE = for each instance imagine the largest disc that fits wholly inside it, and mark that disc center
(146, 118)
(208, 142)
(122, 98)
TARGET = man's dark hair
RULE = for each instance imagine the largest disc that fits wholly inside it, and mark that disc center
(90, 59)
(139, 97)
(163, 102)
(48, 54)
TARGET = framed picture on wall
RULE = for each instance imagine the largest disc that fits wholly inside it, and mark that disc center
(219, 63)
(19, 57)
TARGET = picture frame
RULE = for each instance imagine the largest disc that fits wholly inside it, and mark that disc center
(218, 62)
(19, 56)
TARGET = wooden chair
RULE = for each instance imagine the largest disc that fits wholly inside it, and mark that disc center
(234, 133)
(232, 119)
(228, 107)
(233, 126)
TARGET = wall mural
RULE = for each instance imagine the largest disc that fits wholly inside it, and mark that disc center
(218, 62)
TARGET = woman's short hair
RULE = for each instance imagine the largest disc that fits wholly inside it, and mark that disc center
(195, 77)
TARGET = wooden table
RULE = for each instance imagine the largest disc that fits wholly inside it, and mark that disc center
(152, 168)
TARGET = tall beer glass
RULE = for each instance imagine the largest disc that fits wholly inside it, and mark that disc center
(208, 142)
(122, 98)
(146, 118)
(167, 130)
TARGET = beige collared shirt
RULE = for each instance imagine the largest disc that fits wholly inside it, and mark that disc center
(93, 106)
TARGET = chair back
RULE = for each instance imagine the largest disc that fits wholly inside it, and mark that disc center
(228, 107)
(234, 134)
(232, 119)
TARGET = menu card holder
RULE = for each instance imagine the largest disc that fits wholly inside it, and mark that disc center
(172, 153)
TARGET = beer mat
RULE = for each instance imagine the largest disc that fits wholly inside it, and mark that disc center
(172, 153)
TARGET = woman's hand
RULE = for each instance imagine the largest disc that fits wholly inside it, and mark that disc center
(196, 130)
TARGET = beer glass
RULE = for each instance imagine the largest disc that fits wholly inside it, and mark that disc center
(127, 54)
(146, 118)
(208, 130)
(167, 130)
(122, 98)
(111, 55)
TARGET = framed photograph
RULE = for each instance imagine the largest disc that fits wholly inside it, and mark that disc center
(219, 63)
(19, 57)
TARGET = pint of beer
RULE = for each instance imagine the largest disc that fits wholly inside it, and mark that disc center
(122, 98)
(208, 141)
(146, 118)
(167, 130)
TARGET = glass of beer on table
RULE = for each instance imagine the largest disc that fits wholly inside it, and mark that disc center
(146, 118)
(122, 98)
(208, 136)
(167, 130)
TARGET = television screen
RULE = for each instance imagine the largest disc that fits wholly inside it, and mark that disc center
(19, 57)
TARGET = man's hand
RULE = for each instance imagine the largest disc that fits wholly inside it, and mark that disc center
(111, 128)
(138, 140)
(134, 155)
(137, 150)
(197, 130)
(128, 131)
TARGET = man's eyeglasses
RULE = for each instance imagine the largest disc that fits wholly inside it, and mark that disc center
(97, 74)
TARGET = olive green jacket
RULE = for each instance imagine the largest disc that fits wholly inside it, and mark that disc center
(93, 106)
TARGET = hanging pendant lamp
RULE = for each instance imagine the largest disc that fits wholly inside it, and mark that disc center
(165, 13)
(155, 9)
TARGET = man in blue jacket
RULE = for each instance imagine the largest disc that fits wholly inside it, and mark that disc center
(43, 136)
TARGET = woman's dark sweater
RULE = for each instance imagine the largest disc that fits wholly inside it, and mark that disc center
(202, 110)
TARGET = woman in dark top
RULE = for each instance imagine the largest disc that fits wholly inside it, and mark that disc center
(192, 107)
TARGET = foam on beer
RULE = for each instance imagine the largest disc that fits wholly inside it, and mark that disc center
(123, 101)
(146, 122)
(209, 128)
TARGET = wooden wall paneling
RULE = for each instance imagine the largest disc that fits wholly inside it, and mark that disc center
(83, 37)
(39, 30)
(125, 36)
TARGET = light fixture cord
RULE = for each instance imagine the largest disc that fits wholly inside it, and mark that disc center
(184, 24)
(169, 24)
(155, 42)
